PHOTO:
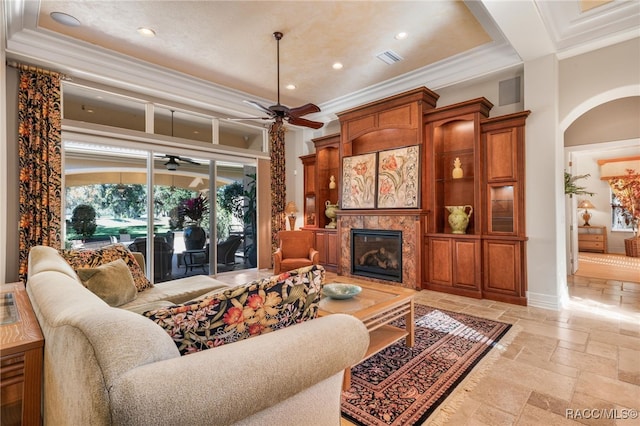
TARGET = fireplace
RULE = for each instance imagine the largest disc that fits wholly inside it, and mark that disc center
(377, 254)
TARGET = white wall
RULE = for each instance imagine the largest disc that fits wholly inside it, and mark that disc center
(487, 87)
(546, 264)
(594, 78)
(3, 155)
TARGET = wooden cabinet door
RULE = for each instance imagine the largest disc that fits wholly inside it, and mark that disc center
(454, 265)
(321, 246)
(327, 245)
(502, 154)
(504, 275)
(332, 249)
(440, 261)
(466, 264)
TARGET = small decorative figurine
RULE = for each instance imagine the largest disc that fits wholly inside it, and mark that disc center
(457, 168)
(332, 182)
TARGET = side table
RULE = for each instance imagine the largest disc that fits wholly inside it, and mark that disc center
(592, 238)
(21, 353)
(193, 258)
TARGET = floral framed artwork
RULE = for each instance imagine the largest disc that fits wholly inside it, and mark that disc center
(399, 178)
(359, 184)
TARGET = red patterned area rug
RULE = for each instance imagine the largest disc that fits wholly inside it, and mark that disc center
(404, 386)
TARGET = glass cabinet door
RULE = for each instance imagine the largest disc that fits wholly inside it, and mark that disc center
(501, 208)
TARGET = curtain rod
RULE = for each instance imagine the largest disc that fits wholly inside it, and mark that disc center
(31, 68)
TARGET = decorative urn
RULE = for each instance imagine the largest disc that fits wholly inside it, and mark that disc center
(330, 212)
(459, 218)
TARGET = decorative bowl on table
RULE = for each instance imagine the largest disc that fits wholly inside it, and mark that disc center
(341, 291)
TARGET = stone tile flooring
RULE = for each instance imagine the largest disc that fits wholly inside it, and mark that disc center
(584, 359)
(563, 367)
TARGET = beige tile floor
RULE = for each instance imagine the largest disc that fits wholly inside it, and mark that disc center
(583, 359)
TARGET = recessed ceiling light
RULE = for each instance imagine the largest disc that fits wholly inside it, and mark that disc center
(65, 19)
(401, 36)
(147, 32)
(337, 66)
(291, 86)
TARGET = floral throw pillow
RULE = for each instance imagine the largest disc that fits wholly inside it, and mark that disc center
(87, 258)
(238, 313)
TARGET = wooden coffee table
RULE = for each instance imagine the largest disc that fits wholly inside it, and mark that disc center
(376, 306)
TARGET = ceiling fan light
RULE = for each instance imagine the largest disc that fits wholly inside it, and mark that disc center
(172, 164)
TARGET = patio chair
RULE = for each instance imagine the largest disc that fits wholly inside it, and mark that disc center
(163, 255)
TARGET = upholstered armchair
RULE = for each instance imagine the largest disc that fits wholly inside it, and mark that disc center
(295, 251)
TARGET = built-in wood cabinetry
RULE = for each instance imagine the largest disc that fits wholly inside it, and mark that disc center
(488, 260)
(468, 161)
(503, 227)
(453, 142)
(318, 191)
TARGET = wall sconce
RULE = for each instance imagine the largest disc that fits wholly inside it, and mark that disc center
(332, 182)
(586, 204)
(291, 209)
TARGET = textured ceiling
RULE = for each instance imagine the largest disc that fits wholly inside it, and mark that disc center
(228, 46)
(231, 42)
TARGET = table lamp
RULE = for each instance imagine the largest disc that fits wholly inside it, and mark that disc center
(291, 209)
(586, 204)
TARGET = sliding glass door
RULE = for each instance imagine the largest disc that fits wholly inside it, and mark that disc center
(195, 216)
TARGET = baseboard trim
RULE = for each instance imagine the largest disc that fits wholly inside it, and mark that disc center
(545, 301)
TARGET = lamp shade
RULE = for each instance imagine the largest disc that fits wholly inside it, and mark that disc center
(586, 204)
(291, 208)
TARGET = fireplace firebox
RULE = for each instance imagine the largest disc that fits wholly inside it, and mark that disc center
(377, 254)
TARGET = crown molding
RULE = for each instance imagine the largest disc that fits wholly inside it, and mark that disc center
(570, 27)
(28, 43)
(456, 69)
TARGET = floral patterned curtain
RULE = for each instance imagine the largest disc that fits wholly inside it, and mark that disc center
(278, 184)
(40, 161)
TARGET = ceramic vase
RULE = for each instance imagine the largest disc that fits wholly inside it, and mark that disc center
(330, 212)
(459, 218)
(194, 237)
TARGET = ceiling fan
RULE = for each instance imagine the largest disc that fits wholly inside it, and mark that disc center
(173, 162)
(279, 112)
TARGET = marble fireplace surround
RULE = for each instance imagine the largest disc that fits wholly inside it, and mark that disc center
(408, 223)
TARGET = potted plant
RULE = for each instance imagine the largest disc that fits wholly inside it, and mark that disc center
(194, 209)
(571, 188)
(627, 191)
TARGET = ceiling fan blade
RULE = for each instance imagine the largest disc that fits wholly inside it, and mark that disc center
(297, 121)
(260, 107)
(248, 118)
(189, 160)
(304, 110)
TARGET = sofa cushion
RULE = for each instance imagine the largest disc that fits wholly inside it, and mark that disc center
(176, 291)
(88, 258)
(112, 282)
(255, 308)
(139, 309)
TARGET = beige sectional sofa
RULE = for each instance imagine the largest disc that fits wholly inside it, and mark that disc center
(106, 365)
